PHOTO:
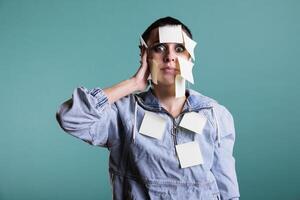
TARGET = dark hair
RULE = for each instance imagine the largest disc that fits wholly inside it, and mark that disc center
(163, 22)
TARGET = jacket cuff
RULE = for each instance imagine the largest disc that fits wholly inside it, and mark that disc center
(99, 95)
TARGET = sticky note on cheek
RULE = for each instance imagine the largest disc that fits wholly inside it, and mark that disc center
(170, 34)
(189, 44)
(154, 71)
(179, 86)
(193, 121)
(186, 69)
(153, 125)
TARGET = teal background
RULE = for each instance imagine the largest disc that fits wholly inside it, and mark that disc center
(247, 58)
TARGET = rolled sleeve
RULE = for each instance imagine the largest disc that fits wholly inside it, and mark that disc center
(88, 116)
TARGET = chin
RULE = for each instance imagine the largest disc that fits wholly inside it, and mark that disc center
(166, 82)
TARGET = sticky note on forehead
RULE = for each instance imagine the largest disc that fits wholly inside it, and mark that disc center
(170, 34)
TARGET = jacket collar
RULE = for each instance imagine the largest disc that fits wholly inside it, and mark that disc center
(195, 101)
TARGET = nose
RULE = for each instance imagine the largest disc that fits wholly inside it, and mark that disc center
(170, 56)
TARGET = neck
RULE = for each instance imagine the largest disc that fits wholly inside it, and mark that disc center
(166, 97)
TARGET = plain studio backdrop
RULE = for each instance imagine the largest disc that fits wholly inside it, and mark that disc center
(247, 58)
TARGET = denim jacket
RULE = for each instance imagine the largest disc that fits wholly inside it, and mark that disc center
(142, 167)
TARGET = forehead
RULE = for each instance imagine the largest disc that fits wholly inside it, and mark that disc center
(154, 36)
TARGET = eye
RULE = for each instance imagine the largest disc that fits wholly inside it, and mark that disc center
(179, 48)
(159, 48)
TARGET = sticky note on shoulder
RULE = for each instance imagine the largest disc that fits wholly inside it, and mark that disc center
(170, 34)
(153, 125)
(194, 122)
(189, 154)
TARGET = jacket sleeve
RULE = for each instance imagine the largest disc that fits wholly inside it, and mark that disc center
(224, 162)
(89, 116)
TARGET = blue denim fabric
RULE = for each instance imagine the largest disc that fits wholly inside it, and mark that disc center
(142, 167)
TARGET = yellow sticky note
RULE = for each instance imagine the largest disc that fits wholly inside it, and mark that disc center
(154, 71)
(189, 154)
(186, 68)
(170, 34)
(189, 44)
(193, 121)
(179, 86)
(143, 43)
(153, 125)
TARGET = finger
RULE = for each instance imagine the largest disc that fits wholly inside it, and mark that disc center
(144, 58)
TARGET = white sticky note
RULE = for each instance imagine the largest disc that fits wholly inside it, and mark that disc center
(153, 125)
(179, 86)
(154, 71)
(170, 34)
(193, 121)
(189, 44)
(143, 43)
(189, 154)
(186, 69)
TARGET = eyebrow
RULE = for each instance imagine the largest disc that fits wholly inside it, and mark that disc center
(155, 42)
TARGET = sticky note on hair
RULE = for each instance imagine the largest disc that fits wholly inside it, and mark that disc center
(143, 43)
(170, 34)
(189, 154)
(193, 121)
(189, 44)
(153, 125)
(186, 69)
(179, 86)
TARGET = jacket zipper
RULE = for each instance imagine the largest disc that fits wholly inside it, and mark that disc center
(175, 125)
(174, 132)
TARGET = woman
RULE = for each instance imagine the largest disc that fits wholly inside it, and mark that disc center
(162, 145)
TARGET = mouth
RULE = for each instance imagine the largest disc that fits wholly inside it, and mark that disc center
(170, 70)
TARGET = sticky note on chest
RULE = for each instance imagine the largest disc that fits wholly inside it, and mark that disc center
(153, 125)
(193, 121)
(189, 154)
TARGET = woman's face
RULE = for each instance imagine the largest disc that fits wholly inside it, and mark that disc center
(165, 56)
